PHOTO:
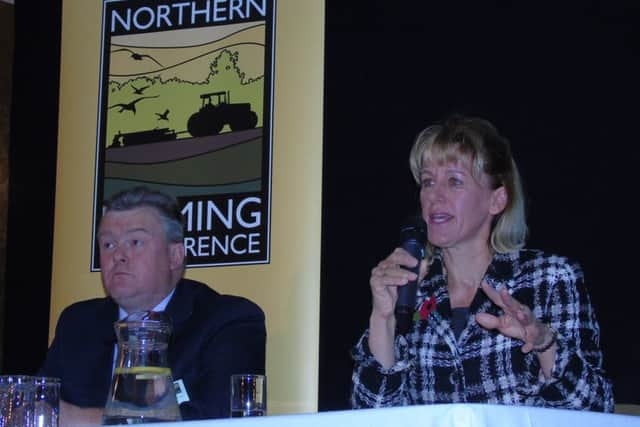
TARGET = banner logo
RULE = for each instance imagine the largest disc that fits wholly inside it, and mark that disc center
(185, 107)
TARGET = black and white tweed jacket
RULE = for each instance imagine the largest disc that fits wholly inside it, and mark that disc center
(486, 366)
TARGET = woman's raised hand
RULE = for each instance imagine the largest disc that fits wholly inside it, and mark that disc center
(517, 321)
(387, 276)
(385, 279)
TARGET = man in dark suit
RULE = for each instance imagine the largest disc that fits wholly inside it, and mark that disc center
(142, 263)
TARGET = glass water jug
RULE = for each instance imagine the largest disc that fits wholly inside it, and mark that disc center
(142, 389)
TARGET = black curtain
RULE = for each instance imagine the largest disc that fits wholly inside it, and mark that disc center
(559, 79)
(32, 156)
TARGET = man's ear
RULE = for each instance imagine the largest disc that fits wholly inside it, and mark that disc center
(498, 201)
(176, 256)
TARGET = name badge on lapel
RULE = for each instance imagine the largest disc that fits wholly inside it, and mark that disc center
(181, 392)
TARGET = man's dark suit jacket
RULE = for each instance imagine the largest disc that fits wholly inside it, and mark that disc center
(213, 337)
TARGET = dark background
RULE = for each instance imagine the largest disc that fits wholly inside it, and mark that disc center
(559, 80)
(6, 64)
(32, 170)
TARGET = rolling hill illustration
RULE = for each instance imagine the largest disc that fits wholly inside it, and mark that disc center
(184, 111)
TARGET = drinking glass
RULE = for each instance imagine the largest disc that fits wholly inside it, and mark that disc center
(46, 402)
(248, 395)
(6, 387)
(27, 401)
(17, 401)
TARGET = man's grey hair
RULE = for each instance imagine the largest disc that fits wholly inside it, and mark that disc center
(164, 204)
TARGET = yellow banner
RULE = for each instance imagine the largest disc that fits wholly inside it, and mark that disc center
(284, 275)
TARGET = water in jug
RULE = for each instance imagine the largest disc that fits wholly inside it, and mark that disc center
(142, 389)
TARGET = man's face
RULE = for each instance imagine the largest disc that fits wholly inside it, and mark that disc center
(138, 267)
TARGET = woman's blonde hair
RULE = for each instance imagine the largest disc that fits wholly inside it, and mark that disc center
(479, 141)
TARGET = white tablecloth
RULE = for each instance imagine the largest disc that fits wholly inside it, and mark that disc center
(450, 415)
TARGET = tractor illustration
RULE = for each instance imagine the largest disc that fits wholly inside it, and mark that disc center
(217, 111)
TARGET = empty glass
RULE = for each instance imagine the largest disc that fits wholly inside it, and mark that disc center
(21, 393)
(248, 395)
(5, 399)
(46, 403)
(27, 401)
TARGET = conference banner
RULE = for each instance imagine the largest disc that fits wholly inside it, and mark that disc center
(185, 107)
(219, 103)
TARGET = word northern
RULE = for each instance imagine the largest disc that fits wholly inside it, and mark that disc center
(188, 13)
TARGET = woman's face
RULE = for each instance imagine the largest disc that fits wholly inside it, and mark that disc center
(458, 207)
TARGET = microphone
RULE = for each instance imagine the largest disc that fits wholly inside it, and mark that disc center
(413, 239)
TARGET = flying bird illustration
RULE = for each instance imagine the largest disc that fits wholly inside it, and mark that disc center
(138, 91)
(137, 56)
(131, 106)
(163, 116)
